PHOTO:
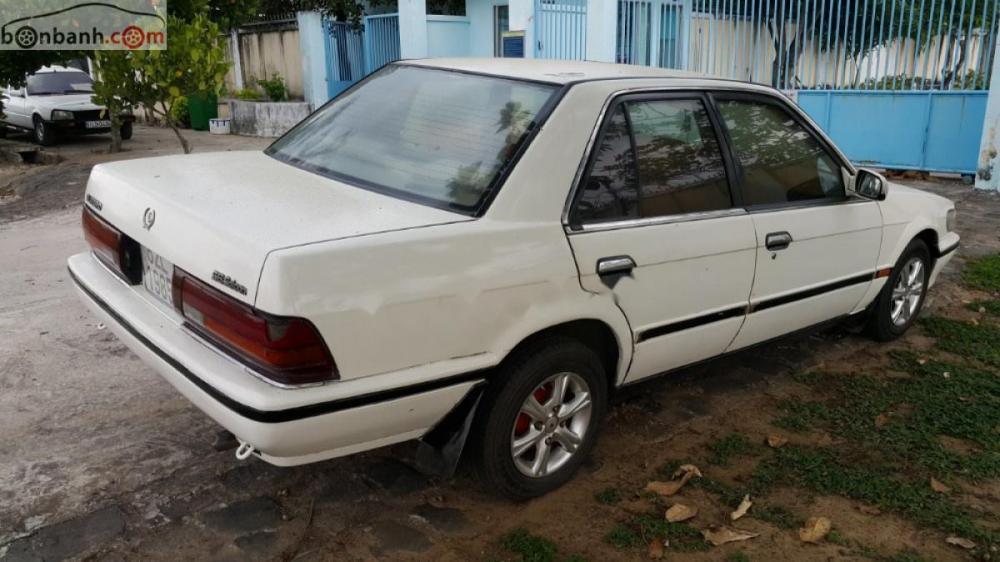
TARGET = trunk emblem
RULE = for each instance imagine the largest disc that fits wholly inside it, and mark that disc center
(148, 218)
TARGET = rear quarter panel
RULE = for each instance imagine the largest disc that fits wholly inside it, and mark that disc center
(434, 301)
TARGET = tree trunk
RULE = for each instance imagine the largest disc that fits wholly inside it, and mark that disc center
(116, 137)
(184, 143)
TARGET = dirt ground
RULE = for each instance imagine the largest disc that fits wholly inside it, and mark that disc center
(103, 460)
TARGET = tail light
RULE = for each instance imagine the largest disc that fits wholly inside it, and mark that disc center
(284, 349)
(119, 252)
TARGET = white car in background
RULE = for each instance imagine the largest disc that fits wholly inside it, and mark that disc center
(56, 101)
(487, 250)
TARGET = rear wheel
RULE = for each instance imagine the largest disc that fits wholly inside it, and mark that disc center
(540, 420)
(126, 130)
(902, 297)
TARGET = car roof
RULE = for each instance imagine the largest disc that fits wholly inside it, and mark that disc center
(57, 68)
(557, 71)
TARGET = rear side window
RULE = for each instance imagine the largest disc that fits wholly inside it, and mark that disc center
(611, 190)
(781, 161)
(655, 158)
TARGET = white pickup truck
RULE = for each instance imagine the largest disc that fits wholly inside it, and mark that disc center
(488, 249)
(56, 101)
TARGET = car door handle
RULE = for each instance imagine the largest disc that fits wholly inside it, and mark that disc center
(615, 265)
(778, 241)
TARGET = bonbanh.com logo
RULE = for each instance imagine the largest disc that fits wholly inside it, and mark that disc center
(80, 24)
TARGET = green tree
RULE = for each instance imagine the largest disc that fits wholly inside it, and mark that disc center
(194, 63)
(116, 89)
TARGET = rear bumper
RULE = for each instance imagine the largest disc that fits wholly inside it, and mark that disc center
(285, 426)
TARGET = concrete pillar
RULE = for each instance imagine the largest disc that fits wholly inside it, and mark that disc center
(413, 29)
(312, 44)
(522, 18)
(602, 29)
(234, 44)
(988, 176)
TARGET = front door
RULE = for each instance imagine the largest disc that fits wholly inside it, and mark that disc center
(654, 225)
(816, 248)
(15, 107)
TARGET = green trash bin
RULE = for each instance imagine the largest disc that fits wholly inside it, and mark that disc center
(202, 107)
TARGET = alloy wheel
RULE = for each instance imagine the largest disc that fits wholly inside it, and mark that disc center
(908, 292)
(551, 424)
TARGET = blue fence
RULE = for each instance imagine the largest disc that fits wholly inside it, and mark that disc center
(561, 29)
(932, 131)
(653, 32)
(354, 51)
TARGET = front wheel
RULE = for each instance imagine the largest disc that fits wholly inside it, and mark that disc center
(540, 418)
(902, 297)
(43, 132)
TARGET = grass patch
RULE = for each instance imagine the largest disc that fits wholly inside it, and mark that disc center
(980, 342)
(915, 410)
(738, 556)
(990, 307)
(907, 556)
(827, 472)
(730, 446)
(777, 515)
(983, 273)
(608, 496)
(641, 530)
(529, 547)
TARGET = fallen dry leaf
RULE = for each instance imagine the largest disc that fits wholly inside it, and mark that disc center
(742, 509)
(680, 512)
(665, 488)
(960, 542)
(776, 441)
(815, 529)
(656, 549)
(881, 420)
(722, 535)
(869, 510)
(687, 471)
(939, 487)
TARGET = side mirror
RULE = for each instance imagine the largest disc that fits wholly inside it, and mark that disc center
(870, 185)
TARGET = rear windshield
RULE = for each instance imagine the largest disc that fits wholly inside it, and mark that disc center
(59, 83)
(433, 136)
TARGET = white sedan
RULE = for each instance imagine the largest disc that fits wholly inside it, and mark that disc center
(481, 252)
(57, 101)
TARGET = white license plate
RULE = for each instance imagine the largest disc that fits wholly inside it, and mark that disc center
(98, 124)
(158, 276)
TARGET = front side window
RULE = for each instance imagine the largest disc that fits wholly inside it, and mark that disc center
(780, 160)
(434, 136)
(655, 158)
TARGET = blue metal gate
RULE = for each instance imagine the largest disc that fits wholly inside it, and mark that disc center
(896, 83)
(354, 51)
(345, 61)
(652, 33)
(930, 131)
(561, 29)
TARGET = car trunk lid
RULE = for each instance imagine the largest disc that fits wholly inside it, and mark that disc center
(218, 215)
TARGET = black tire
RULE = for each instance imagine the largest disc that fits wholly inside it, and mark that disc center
(126, 130)
(518, 378)
(881, 325)
(43, 133)
(3, 131)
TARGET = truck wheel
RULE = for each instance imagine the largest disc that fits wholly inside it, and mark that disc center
(43, 132)
(902, 297)
(126, 130)
(540, 418)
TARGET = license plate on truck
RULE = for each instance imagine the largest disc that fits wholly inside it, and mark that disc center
(158, 276)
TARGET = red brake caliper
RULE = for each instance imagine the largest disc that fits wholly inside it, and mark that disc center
(542, 394)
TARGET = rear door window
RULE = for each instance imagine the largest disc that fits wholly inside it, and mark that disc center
(655, 158)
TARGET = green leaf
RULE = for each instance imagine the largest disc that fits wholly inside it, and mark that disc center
(175, 91)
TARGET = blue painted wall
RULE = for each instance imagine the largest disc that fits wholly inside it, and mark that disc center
(930, 131)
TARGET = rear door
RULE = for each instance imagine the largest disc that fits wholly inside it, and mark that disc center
(654, 224)
(816, 247)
